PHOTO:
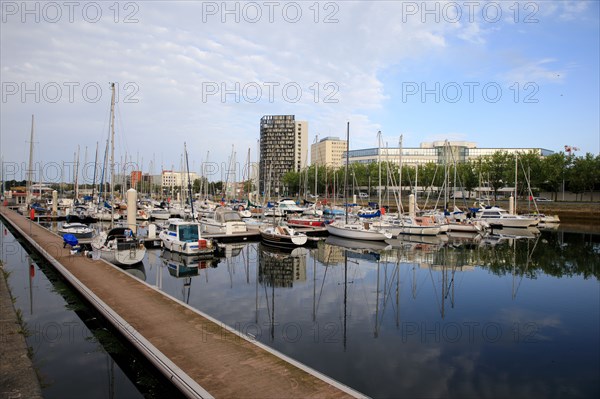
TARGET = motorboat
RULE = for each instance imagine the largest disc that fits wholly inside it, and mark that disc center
(184, 237)
(160, 214)
(224, 221)
(283, 208)
(499, 217)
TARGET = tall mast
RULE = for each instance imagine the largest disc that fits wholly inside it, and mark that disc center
(249, 179)
(316, 167)
(516, 169)
(379, 162)
(94, 178)
(112, 153)
(400, 210)
(346, 173)
(204, 174)
(30, 169)
(76, 180)
(187, 165)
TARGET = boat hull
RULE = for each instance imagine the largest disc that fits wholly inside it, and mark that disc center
(355, 232)
(283, 241)
(121, 252)
(124, 256)
(306, 222)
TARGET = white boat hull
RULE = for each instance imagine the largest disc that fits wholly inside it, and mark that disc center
(124, 254)
(229, 228)
(465, 227)
(511, 222)
(357, 232)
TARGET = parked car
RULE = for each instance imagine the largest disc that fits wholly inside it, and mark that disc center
(363, 195)
(542, 199)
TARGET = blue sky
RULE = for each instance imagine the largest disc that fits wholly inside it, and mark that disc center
(363, 62)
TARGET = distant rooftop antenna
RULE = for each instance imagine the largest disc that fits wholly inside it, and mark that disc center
(569, 149)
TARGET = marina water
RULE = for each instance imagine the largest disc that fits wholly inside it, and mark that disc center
(494, 317)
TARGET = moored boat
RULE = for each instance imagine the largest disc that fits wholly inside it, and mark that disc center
(358, 231)
(79, 230)
(306, 221)
(282, 236)
(224, 221)
(498, 217)
(184, 237)
(119, 246)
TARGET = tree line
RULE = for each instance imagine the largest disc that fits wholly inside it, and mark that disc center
(553, 173)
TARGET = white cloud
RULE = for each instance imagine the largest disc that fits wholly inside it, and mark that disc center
(538, 71)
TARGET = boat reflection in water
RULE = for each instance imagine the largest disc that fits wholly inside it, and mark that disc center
(506, 234)
(138, 270)
(180, 265)
(359, 249)
(185, 267)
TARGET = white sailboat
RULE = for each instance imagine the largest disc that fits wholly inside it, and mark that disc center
(355, 230)
(118, 245)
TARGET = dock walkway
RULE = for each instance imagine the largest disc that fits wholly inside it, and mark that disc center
(202, 357)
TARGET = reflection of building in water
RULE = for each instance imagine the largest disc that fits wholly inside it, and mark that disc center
(280, 270)
(408, 256)
(329, 254)
(435, 260)
(439, 268)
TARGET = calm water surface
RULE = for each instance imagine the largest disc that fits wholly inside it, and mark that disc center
(75, 353)
(457, 317)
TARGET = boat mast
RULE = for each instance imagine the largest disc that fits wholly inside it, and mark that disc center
(316, 167)
(346, 173)
(76, 188)
(112, 153)
(94, 178)
(187, 165)
(30, 169)
(516, 170)
(204, 174)
(400, 209)
(379, 162)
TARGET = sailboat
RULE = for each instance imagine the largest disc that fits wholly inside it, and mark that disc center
(355, 230)
(119, 245)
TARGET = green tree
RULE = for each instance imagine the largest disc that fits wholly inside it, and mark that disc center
(291, 180)
(467, 176)
(496, 169)
(555, 169)
(584, 174)
(530, 169)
